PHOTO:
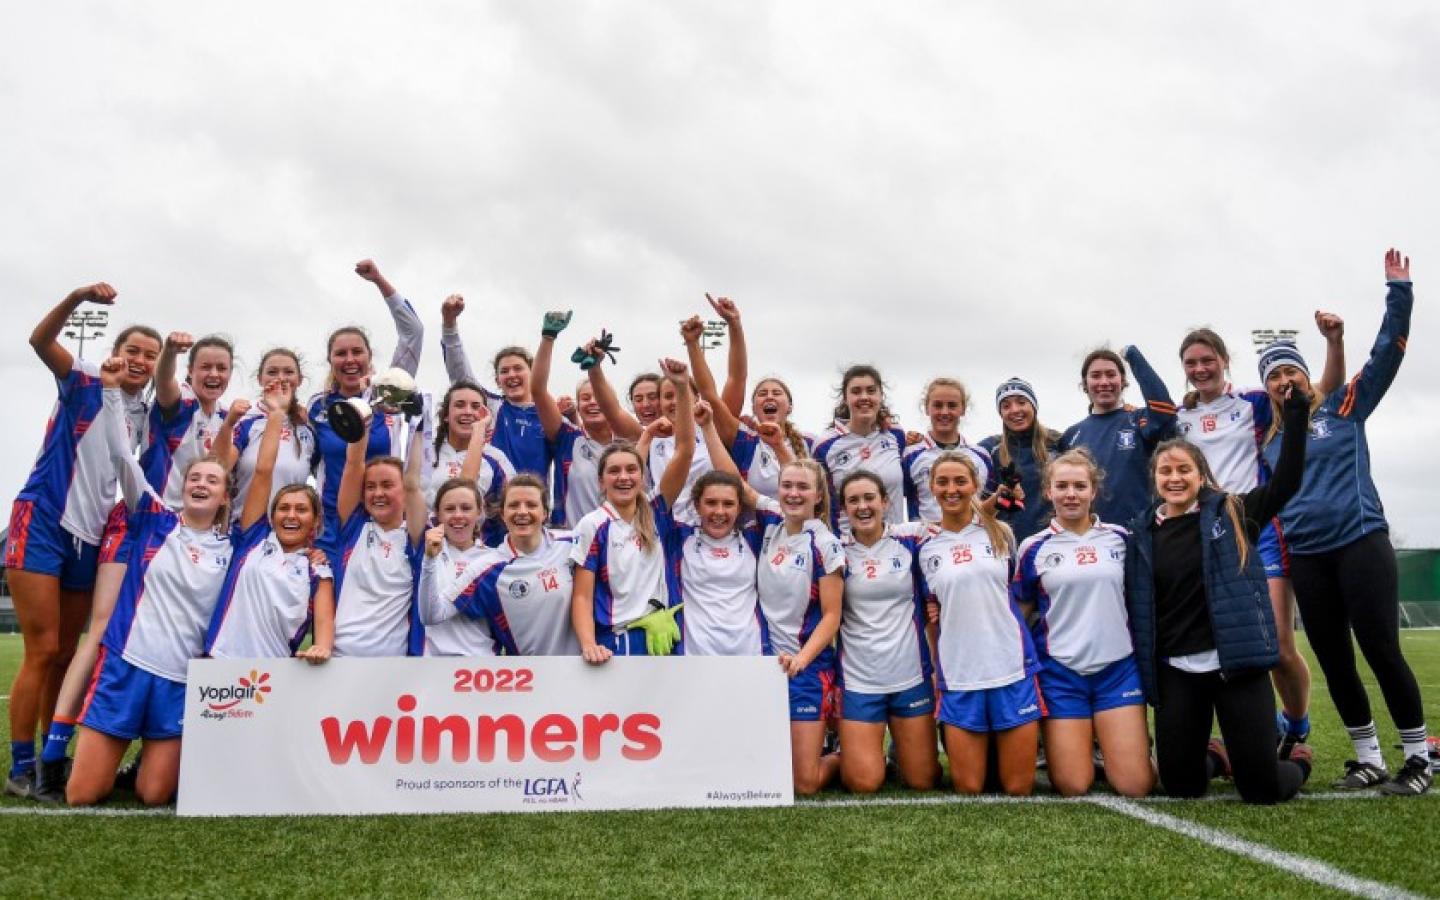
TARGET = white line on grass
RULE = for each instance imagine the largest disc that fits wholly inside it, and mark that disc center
(103, 812)
(1300, 866)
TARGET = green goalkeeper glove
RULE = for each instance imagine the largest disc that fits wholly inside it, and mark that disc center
(555, 322)
(661, 631)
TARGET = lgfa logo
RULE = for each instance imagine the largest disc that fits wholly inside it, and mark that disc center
(230, 701)
(551, 790)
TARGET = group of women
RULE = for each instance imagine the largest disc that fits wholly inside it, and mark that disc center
(1034, 585)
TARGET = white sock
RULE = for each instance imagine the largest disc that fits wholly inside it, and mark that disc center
(1367, 745)
(1414, 741)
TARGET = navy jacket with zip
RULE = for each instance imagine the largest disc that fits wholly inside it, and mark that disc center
(1241, 620)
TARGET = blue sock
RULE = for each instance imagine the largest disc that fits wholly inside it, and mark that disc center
(57, 742)
(22, 757)
(1298, 727)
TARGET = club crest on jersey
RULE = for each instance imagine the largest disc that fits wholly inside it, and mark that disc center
(1217, 531)
(1235, 415)
(1320, 429)
(842, 459)
(932, 565)
(519, 589)
(799, 560)
(1053, 560)
(896, 564)
(1125, 440)
(588, 452)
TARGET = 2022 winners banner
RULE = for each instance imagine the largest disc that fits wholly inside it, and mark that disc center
(280, 737)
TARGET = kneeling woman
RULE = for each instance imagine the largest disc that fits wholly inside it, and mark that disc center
(986, 660)
(278, 583)
(800, 582)
(621, 603)
(1202, 624)
(177, 563)
(884, 664)
(521, 589)
(1073, 575)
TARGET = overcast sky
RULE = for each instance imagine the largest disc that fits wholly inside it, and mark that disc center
(975, 192)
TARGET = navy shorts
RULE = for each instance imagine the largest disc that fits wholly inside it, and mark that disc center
(993, 709)
(37, 543)
(630, 642)
(1070, 695)
(812, 694)
(1274, 550)
(127, 702)
(907, 704)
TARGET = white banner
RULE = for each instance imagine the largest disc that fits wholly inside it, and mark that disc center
(281, 737)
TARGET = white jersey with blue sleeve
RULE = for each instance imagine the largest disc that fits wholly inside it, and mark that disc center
(1230, 430)
(715, 578)
(1077, 583)
(495, 471)
(756, 461)
(375, 578)
(789, 573)
(841, 452)
(525, 597)
(268, 599)
(577, 475)
(662, 450)
(172, 442)
(920, 458)
(448, 634)
(627, 575)
(981, 640)
(883, 648)
(292, 459)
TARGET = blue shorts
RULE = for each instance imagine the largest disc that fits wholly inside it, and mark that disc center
(812, 694)
(127, 702)
(1070, 695)
(36, 543)
(907, 704)
(1274, 550)
(629, 643)
(993, 709)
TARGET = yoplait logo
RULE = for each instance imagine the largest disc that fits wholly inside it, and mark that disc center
(231, 700)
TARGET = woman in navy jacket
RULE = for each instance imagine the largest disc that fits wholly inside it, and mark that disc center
(1202, 623)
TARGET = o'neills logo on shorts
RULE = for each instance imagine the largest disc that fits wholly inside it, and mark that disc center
(232, 701)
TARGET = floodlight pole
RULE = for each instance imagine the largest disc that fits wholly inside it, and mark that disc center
(86, 325)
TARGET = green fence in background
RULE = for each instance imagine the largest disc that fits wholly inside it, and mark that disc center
(1419, 588)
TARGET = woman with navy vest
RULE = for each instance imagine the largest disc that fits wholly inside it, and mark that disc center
(1341, 560)
(1201, 620)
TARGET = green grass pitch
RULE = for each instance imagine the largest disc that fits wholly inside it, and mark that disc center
(890, 846)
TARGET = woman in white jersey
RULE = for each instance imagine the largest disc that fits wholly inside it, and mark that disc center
(864, 436)
(240, 442)
(1072, 575)
(453, 551)
(461, 447)
(985, 660)
(884, 663)
(944, 403)
(800, 582)
(621, 603)
(279, 583)
(577, 447)
(522, 589)
(1229, 427)
(375, 553)
(176, 563)
(57, 525)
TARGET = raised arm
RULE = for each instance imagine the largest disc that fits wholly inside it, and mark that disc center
(417, 511)
(278, 395)
(738, 358)
(45, 339)
(1265, 502)
(475, 449)
(1366, 389)
(1161, 418)
(691, 331)
(545, 405)
(117, 441)
(167, 386)
(457, 364)
(224, 446)
(324, 603)
(352, 478)
(409, 330)
(434, 609)
(720, 457)
(672, 481)
(1332, 328)
(621, 422)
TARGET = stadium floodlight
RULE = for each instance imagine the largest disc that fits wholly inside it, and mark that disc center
(1264, 337)
(713, 335)
(86, 325)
